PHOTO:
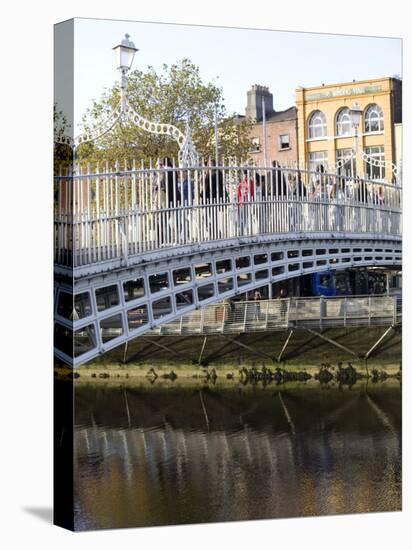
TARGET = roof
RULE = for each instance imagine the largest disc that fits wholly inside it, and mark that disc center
(287, 114)
(348, 83)
(276, 116)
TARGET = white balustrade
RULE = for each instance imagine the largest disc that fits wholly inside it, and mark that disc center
(106, 214)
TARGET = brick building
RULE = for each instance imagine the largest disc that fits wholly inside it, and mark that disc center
(281, 128)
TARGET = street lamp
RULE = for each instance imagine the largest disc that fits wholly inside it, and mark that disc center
(355, 113)
(125, 52)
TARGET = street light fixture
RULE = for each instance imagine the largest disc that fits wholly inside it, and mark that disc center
(355, 113)
(125, 52)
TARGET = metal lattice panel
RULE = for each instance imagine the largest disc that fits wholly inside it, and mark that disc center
(112, 308)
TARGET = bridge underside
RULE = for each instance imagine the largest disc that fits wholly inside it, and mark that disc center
(114, 307)
(296, 346)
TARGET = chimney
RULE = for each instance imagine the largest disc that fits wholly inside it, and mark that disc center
(254, 102)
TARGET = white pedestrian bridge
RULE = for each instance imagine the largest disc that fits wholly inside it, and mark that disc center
(143, 246)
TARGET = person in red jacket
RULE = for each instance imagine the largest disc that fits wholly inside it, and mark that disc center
(245, 194)
(245, 190)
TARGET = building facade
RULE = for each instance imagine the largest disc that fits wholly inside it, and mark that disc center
(274, 136)
(326, 134)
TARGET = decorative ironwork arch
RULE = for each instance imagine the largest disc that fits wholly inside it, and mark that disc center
(393, 168)
(188, 155)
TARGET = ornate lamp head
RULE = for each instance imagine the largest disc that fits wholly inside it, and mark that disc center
(125, 52)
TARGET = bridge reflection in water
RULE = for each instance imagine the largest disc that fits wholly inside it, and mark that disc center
(182, 455)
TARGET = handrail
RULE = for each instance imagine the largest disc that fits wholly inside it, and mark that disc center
(252, 316)
(112, 215)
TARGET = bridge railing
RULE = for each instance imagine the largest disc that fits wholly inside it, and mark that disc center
(266, 315)
(113, 214)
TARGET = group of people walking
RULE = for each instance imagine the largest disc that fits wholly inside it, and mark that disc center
(280, 199)
(177, 187)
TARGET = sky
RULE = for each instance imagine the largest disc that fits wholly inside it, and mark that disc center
(233, 59)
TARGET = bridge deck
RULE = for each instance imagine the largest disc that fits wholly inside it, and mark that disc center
(108, 217)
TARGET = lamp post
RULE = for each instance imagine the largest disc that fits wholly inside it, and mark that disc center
(265, 156)
(124, 111)
(355, 113)
(125, 52)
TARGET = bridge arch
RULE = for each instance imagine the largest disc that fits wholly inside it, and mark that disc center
(111, 308)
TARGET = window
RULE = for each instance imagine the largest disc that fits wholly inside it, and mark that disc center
(375, 165)
(182, 276)
(111, 328)
(276, 256)
(343, 122)
(244, 279)
(260, 259)
(205, 292)
(284, 141)
(74, 308)
(133, 289)
(317, 125)
(203, 270)
(254, 145)
(107, 297)
(262, 274)
(293, 253)
(162, 307)
(345, 163)
(242, 262)
(317, 159)
(278, 270)
(158, 282)
(137, 317)
(184, 299)
(373, 119)
(222, 266)
(225, 284)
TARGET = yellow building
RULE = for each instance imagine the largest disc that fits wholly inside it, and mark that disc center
(326, 133)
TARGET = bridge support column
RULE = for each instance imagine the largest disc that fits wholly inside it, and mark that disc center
(126, 345)
(285, 345)
(202, 350)
(376, 344)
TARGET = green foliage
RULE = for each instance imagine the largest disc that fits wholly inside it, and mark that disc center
(63, 154)
(173, 96)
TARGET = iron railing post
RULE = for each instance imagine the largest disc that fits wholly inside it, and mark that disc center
(106, 224)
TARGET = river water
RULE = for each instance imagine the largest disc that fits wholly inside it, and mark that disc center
(176, 453)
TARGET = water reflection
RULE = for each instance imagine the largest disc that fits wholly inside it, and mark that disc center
(174, 454)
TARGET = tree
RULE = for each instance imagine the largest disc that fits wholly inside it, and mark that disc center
(174, 96)
(63, 153)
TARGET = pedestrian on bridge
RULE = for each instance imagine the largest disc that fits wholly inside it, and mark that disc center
(187, 222)
(172, 188)
(214, 190)
(278, 180)
(257, 297)
(283, 303)
(245, 194)
(278, 192)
